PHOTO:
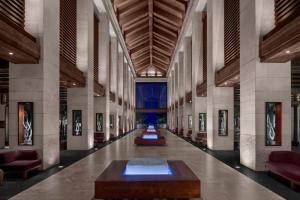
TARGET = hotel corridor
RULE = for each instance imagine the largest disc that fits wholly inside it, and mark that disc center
(218, 181)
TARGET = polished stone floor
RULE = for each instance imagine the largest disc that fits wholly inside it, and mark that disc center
(218, 181)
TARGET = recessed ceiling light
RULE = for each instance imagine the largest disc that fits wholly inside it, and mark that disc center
(74, 84)
(225, 83)
(237, 167)
(60, 166)
(287, 51)
(236, 77)
(10, 53)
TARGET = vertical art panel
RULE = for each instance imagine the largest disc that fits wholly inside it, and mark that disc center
(99, 122)
(25, 123)
(190, 121)
(273, 124)
(77, 122)
(111, 121)
(202, 122)
(223, 123)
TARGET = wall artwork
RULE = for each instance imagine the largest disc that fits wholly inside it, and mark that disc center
(190, 121)
(223, 123)
(111, 121)
(273, 124)
(99, 122)
(202, 122)
(25, 123)
(77, 122)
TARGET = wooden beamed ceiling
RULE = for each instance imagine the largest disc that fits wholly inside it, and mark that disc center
(150, 29)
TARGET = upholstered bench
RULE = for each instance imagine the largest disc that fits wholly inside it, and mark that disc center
(20, 161)
(1, 176)
(285, 164)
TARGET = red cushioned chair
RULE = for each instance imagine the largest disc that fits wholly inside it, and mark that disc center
(285, 164)
(20, 161)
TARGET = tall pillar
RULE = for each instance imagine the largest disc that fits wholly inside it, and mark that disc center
(181, 81)
(125, 90)
(102, 103)
(218, 98)
(113, 84)
(198, 103)
(176, 95)
(120, 88)
(83, 98)
(39, 83)
(260, 83)
(187, 106)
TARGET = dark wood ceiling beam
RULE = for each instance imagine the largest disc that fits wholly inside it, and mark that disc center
(141, 60)
(136, 42)
(123, 4)
(136, 35)
(135, 25)
(133, 18)
(178, 5)
(132, 9)
(169, 8)
(144, 26)
(164, 36)
(164, 42)
(140, 48)
(150, 5)
(166, 24)
(162, 48)
(158, 62)
(159, 57)
(170, 18)
(136, 55)
(136, 45)
(165, 30)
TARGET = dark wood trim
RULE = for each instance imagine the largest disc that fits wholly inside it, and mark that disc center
(201, 89)
(16, 40)
(274, 46)
(99, 89)
(70, 75)
(228, 76)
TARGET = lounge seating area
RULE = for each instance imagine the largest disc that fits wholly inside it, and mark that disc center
(98, 137)
(202, 138)
(20, 161)
(285, 164)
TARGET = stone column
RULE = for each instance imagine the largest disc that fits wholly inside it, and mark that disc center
(125, 89)
(187, 106)
(102, 103)
(176, 99)
(260, 83)
(181, 81)
(39, 83)
(120, 87)
(198, 103)
(83, 98)
(113, 84)
(218, 98)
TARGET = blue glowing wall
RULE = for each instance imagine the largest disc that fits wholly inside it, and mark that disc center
(143, 120)
(151, 95)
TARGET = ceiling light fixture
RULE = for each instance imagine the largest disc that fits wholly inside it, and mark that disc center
(225, 83)
(60, 166)
(10, 53)
(236, 77)
(287, 52)
(237, 167)
(74, 84)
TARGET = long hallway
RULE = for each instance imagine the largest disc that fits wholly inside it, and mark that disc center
(218, 181)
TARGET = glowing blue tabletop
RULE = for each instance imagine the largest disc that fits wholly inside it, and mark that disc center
(150, 137)
(147, 166)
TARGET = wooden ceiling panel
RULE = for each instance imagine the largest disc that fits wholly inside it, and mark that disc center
(150, 29)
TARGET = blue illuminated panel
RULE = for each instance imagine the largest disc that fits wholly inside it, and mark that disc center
(150, 137)
(147, 166)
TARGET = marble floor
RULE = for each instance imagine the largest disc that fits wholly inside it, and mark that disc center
(218, 181)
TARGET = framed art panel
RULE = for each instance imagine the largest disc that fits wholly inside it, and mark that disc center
(25, 123)
(111, 121)
(273, 123)
(223, 123)
(190, 121)
(99, 122)
(202, 122)
(77, 122)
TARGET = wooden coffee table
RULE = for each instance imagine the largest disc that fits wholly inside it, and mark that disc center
(112, 183)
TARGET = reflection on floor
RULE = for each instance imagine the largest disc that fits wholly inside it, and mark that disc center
(14, 184)
(271, 181)
(218, 181)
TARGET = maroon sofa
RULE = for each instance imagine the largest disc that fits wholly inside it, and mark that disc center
(98, 137)
(285, 164)
(21, 161)
(150, 142)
